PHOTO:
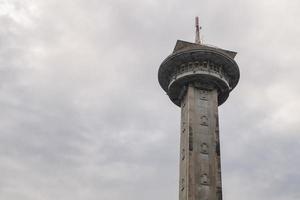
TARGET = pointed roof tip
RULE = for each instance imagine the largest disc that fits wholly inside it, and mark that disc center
(183, 45)
(232, 54)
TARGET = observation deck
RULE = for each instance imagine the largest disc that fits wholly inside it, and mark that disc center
(206, 66)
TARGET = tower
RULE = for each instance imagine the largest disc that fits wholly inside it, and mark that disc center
(198, 78)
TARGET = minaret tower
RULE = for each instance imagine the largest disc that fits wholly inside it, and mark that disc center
(198, 78)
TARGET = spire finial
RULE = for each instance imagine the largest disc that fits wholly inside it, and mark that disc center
(197, 38)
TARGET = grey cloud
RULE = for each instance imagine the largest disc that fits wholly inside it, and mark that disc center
(83, 117)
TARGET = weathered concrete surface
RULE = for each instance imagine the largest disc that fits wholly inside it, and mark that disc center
(200, 169)
(199, 78)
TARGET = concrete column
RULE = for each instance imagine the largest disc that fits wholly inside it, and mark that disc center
(200, 170)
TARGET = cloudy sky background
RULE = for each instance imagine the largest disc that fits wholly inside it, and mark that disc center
(83, 116)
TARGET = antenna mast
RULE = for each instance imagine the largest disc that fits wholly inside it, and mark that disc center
(197, 38)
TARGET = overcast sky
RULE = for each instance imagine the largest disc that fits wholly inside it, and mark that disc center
(82, 115)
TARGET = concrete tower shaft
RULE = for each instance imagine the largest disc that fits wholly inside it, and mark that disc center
(199, 78)
(200, 166)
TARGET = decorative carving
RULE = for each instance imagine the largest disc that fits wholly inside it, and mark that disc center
(182, 184)
(199, 66)
(186, 68)
(205, 64)
(204, 179)
(204, 148)
(182, 154)
(204, 121)
(216, 68)
(191, 66)
(203, 95)
(196, 66)
(190, 139)
(181, 69)
(182, 127)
